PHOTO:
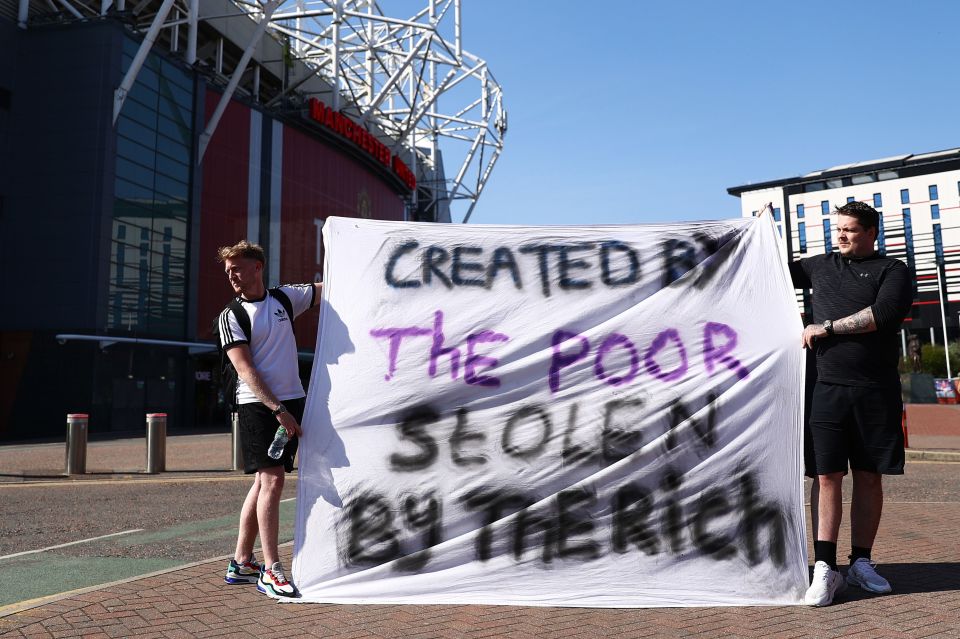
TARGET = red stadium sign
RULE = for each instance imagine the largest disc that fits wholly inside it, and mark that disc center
(347, 128)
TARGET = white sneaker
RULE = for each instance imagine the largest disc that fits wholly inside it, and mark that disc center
(825, 584)
(863, 575)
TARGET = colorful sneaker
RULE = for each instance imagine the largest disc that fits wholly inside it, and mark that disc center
(274, 584)
(863, 575)
(247, 572)
(825, 584)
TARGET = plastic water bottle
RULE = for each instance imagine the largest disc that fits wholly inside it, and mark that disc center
(279, 441)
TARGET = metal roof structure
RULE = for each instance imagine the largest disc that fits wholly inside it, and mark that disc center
(407, 80)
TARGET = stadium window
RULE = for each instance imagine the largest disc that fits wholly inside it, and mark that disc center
(800, 211)
(904, 196)
(776, 213)
(827, 238)
(802, 234)
(933, 192)
(934, 211)
(825, 207)
(877, 201)
(849, 199)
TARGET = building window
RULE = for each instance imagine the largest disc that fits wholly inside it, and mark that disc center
(849, 199)
(802, 234)
(827, 238)
(825, 207)
(938, 243)
(877, 201)
(908, 236)
(799, 211)
(934, 211)
(904, 196)
(881, 240)
(933, 192)
(776, 214)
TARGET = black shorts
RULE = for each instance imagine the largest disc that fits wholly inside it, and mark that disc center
(258, 427)
(856, 424)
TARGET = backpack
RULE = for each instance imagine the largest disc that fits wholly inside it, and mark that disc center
(229, 380)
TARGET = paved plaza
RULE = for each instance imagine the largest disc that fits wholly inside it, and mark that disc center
(167, 565)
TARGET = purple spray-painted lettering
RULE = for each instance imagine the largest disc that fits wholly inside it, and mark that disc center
(659, 343)
(561, 360)
(438, 350)
(611, 342)
(475, 361)
(396, 336)
(714, 354)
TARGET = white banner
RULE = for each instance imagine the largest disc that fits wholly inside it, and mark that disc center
(563, 416)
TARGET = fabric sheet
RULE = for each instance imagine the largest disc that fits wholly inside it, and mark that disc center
(599, 416)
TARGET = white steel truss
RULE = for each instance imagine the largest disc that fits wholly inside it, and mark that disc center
(409, 81)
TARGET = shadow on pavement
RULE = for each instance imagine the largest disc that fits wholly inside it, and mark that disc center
(912, 578)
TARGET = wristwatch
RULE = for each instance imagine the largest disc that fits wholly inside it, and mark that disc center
(828, 326)
(279, 409)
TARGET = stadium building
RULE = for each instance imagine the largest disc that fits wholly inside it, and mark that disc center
(918, 197)
(137, 137)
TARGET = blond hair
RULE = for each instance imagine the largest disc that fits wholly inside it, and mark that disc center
(242, 248)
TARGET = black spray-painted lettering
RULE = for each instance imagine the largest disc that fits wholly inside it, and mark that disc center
(719, 522)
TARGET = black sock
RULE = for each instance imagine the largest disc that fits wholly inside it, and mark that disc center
(825, 551)
(857, 552)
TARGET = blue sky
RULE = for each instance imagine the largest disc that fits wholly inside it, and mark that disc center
(632, 112)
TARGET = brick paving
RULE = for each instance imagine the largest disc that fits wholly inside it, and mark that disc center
(193, 601)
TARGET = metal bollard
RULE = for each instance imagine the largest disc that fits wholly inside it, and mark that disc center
(156, 442)
(77, 443)
(235, 440)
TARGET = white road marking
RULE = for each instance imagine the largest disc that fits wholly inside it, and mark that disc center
(281, 501)
(72, 543)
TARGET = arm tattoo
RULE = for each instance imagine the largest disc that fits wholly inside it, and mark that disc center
(860, 322)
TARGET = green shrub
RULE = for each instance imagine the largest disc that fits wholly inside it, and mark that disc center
(934, 362)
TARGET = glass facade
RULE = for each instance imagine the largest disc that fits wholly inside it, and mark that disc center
(825, 207)
(850, 199)
(934, 211)
(151, 200)
(800, 211)
(877, 201)
(776, 213)
(802, 235)
(933, 192)
(904, 196)
(827, 237)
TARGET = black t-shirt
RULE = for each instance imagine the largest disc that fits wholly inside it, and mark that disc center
(843, 286)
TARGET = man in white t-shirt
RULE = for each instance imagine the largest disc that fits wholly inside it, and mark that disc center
(263, 350)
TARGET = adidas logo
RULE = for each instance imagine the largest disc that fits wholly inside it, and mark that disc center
(281, 315)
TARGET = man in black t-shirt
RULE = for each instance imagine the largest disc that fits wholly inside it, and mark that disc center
(859, 301)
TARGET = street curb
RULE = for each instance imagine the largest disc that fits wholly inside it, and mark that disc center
(933, 455)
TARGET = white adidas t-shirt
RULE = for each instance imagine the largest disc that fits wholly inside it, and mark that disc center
(272, 343)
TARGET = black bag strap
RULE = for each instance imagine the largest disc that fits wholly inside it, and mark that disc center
(243, 319)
